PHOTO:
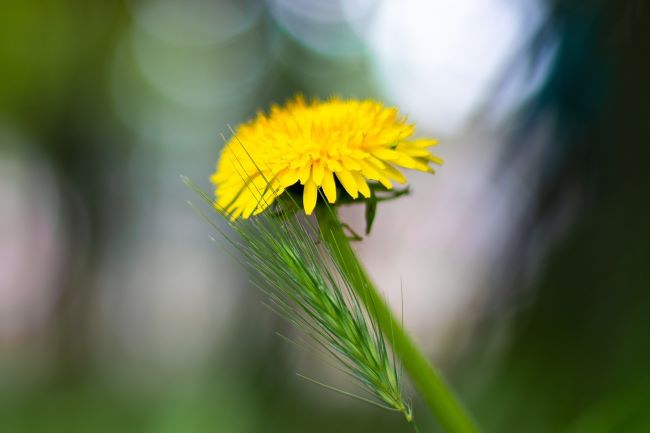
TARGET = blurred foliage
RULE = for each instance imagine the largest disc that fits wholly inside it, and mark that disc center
(53, 55)
(578, 353)
(572, 360)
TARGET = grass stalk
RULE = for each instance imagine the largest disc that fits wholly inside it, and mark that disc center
(444, 405)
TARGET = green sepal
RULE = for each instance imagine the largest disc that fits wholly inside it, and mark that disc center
(371, 211)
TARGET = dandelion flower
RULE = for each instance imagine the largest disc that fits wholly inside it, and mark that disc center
(335, 145)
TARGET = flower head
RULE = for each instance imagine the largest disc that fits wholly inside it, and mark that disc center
(332, 145)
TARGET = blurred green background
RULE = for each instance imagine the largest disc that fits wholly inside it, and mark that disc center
(525, 261)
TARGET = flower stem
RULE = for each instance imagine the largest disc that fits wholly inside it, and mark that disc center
(445, 406)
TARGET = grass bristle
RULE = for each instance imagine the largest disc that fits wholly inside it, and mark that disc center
(303, 284)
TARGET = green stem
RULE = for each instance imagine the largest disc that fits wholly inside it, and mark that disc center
(442, 402)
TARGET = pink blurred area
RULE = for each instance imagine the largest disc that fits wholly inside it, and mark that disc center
(33, 248)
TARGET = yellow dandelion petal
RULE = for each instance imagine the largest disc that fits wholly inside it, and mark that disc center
(424, 142)
(309, 196)
(318, 172)
(386, 154)
(362, 185)
(329, 186)
(413, 151)
(334, 165)
(350, 163)
(303, 173)
(412, 163)
(235, 213)
(385, 182)
(369, 171)
(289, 177)
(315, 143)
(376, 162)
(249, 207)
(348, 182)
(393, 173)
